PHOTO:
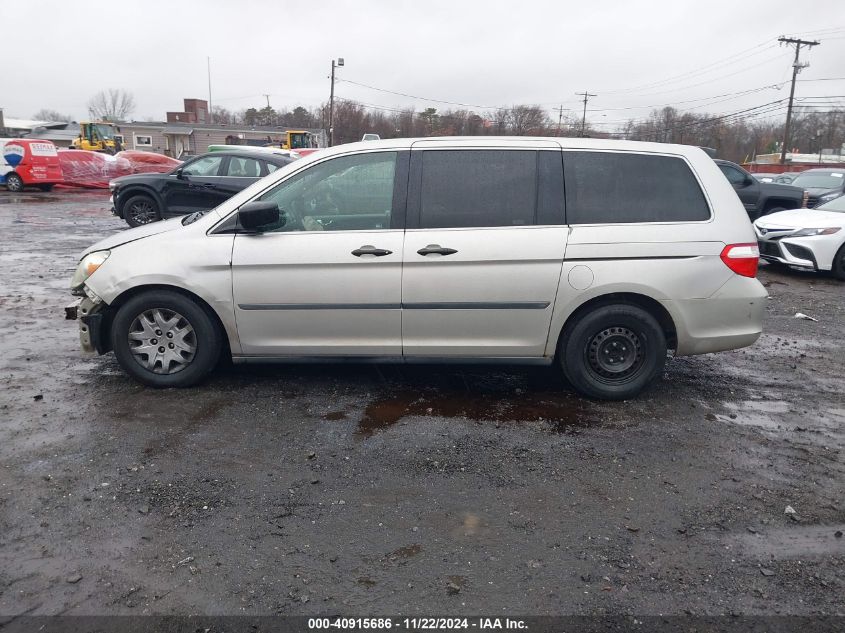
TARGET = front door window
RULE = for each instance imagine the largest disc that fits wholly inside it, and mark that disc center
(348, 193)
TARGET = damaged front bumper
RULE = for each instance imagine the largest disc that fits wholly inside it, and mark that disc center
(91, 318)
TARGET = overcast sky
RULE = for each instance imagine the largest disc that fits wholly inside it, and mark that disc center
(633, 55)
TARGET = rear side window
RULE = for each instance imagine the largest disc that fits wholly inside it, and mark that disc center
(478, 188)
(606, 187)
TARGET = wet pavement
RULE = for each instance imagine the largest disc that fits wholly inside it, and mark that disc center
(410, 490)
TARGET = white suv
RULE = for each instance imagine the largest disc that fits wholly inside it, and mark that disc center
(598, 255)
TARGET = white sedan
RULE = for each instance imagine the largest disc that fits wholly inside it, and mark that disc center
(805, 238)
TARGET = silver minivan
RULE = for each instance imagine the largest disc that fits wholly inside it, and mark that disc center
(602, 256)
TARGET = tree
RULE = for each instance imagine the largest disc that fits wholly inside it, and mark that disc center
(45, 114)
(111, 105)
(223, 116)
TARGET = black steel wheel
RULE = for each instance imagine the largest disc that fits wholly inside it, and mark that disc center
(612, 352)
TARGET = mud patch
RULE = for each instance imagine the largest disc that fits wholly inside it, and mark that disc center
(564, 412)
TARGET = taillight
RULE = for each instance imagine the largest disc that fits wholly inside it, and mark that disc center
(741, 258)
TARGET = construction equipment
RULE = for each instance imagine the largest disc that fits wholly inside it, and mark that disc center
(98, 136)
(298, 139)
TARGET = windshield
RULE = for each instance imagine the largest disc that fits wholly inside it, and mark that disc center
(822, 181)
(104, 131)
(837, 204)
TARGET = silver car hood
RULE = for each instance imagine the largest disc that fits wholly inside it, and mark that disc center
(138, 233)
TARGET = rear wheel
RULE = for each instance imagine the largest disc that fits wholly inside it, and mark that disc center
(838, 267)
(164, 339)
(14, 183)
(613, 351)
(139, 210)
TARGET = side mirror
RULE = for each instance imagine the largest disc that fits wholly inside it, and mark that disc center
(254, 215)
(178, 173)
(749, 180)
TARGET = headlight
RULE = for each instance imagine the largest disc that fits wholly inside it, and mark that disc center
(87, 266)
(810, 232)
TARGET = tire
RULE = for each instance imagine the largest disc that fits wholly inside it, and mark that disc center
(140, 210)
(612, 352)
(147, 320)
(45, 187)
(837, 268)
(14, 183)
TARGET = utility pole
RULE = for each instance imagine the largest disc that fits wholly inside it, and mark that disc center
(210, 111)
(331, 102)
(268, 100)
(796, 68)
(559, 118)
(586, 96)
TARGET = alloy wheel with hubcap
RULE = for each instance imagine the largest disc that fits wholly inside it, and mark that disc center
(162, 341)
(165, 338)
(14, 183)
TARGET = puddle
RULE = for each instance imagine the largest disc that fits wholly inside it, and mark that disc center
(563, 411)
(769, 414)
(795, 542)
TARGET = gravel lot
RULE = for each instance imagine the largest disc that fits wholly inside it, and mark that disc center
(368, 490)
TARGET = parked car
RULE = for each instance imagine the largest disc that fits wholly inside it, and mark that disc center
(806, 238)
(440, 250)
(29, 163)
(371, 137)
(786, 178)
(760, 198)
(198, 184)
(822, 185)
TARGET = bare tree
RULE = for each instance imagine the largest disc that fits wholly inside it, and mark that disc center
(45, 114)
(111, 105)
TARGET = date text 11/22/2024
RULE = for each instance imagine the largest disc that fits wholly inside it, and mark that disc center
(415, 624)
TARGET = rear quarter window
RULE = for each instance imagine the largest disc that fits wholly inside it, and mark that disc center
(611, 187)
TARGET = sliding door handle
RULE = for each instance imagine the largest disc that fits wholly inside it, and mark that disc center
(371, 250)
(436, 249)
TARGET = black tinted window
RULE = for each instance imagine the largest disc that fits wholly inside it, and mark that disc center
(604, 187)
(472, 188)
(734, 176)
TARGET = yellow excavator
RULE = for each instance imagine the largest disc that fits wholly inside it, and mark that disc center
(97, 136)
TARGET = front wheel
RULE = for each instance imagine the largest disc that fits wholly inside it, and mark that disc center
(165, 339)
(838, 267)
(139, 210)
(613, 351)
(14, 183)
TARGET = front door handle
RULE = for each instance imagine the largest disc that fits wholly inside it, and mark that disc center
(371, 250)
(436, 249)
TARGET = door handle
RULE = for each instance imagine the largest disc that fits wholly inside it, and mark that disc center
(436, 249)
(371, 250)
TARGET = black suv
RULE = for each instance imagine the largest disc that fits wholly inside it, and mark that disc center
(760, 198)
(200, 183)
